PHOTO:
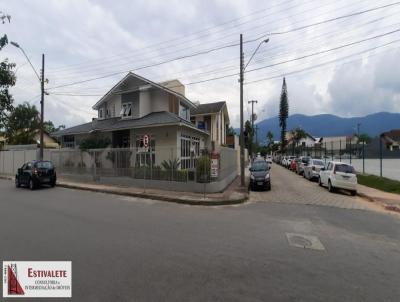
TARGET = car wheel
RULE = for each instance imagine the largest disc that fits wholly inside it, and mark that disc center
(31, 184)
(330, 187)
(17, 184)
(53, 184)
(353, 193)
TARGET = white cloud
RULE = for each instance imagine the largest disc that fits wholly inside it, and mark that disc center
(103, 37)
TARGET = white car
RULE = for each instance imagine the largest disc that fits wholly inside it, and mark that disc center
(311, 170)
(269, 159)
(338, 175)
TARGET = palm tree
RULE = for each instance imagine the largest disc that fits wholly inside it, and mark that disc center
(297, 135)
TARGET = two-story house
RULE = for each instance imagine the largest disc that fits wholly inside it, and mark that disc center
(135, 107)
(213, 118)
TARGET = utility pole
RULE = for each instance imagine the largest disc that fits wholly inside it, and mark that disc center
(242, 68)
(41, 110)
(242, 181)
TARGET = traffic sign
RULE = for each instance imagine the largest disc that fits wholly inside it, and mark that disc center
(146, 140)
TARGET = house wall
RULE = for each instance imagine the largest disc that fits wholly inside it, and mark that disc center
(144, 103)
(159, 101)
(132, 97)
(114, 105)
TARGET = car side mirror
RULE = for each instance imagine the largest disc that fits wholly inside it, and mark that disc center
(251, 169)
(269, 167)
(322, 169)
(19, 170)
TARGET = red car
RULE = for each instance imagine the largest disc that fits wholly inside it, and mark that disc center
(293, 165)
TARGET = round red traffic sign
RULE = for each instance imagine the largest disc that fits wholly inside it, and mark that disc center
(145, 141)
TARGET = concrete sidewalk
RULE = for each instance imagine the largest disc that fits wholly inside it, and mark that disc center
(234, 194)
(389, 201)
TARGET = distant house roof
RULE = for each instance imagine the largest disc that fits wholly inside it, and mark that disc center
(111, 124)
(392, 136)
(208, 108)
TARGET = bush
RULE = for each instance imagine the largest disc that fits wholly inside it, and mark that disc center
(203, 168)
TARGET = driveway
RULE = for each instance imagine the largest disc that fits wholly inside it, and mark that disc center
(288, 187)
(131, 249)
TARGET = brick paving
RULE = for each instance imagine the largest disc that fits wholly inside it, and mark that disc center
(288, 187)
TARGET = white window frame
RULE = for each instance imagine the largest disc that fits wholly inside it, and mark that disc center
(190, 151)
(124, 108)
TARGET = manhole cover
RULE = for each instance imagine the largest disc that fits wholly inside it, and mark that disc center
(304, 241)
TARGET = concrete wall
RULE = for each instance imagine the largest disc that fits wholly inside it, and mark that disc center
(10, 161)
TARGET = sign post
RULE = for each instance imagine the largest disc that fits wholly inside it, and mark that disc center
(146, 147)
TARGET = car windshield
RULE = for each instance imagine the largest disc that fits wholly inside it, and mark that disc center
(344, 169)
(259, 166)
(44, 165)
(305, 160)
(318, 162)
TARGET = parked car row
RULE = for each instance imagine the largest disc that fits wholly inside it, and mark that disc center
(333, 174)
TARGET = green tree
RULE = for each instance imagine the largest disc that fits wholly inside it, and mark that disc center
(49, 127)
(230, 131)
(364, 138)
(283, 113)
(94, 141)
(7, 79)
(297, 135)
(22, 124)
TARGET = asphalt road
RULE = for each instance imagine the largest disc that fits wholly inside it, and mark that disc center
(127, 249)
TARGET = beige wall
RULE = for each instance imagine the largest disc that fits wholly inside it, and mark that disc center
(144, 103)
(159, 101)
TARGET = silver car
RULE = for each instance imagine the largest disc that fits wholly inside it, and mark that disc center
(311, 170)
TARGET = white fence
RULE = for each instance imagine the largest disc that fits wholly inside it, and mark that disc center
(11, 160)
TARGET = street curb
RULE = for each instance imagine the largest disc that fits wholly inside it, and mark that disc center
(388, 207)
(6, 177)
(369, 198)
(193, 202)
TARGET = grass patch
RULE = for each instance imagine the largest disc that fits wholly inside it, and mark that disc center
(380, 183)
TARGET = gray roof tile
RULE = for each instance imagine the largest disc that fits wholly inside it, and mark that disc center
(208, 108)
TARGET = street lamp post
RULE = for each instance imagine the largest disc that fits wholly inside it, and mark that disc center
(241, 79)
(41, 80)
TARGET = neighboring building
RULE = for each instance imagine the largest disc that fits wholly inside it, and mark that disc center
(2, 140)
(213, 118)
(136, 106)
(338, 143)
(391, 139)
(308, 141)
(49, 142)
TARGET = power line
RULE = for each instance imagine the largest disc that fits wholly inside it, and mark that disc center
(322, 64)
(202, 43)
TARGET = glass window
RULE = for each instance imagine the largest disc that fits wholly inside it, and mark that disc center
(344, 168)
(101, 113)
(318, 162)
(142, 155)
(190, 151)
(126, 110)
(44, 165)
(184, 112)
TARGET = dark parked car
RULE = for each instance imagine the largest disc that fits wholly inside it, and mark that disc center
(35, 173)
(259, 175)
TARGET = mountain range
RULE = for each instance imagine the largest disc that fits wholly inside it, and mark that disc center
(331, 125)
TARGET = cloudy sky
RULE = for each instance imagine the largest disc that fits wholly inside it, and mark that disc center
(338, 56)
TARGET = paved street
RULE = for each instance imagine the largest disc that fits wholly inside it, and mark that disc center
(128, 249)
(288, 187)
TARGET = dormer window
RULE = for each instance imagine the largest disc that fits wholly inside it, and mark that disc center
(101, 115)
(126, 110)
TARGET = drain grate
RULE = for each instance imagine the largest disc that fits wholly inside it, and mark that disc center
(305, 241)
